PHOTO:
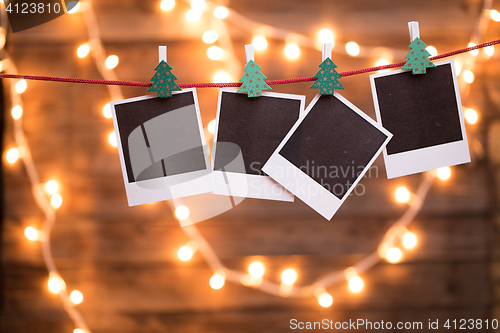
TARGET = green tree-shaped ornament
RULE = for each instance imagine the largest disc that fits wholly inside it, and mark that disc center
(327, 78)
(253, 80)
(163, 80)
(418, 57)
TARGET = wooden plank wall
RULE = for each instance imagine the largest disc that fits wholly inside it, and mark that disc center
(124, 259)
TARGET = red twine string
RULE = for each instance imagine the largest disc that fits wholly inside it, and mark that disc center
(235, 84)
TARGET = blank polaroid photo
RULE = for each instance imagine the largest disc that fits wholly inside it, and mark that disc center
(327, 152)
(248, 131)
(162, 147)
(424, 113)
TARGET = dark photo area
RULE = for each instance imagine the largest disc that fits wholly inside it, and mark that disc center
(351, 143)
(419, 110)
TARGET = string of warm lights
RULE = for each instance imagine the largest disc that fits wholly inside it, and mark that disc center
(397, 234)
(293, 41)
(46, 194)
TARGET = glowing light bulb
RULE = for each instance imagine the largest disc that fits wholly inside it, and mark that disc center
(51, 187)
(409, 240)
(471, 116)
(76, 297)
(106, 111)
(458, 66)
(193, 15)
(259, 42)
(495, 15)
(221, 77)
(56, 201)
(17, 112)
(74, 9)
(21, 86)
(292, 51)
(352, 48)
(166, 5)
(356, 284)
(325, 36)
(215, 52)
(403, 195)
(489, 51)
(325, 299)
(288, 277)
(393, 255)
(32, 234)
(256, 270)
(12, 155)
(473, 52)
(210, 36)
(185, 253)
(468, 76)
(182, 212)
(111, 62)
(112, 139)
(198, 4)
(83, 51)
(217, 281)
(432, 50)
(443, 173)
(221, 12)
(211, 126)
(55, 283)
(79, 330)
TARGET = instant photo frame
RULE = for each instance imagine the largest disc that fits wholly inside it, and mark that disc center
(162, 148)
(252, 127)
(424, 113)
(333, 135)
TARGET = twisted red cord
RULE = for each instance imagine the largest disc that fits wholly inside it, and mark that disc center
(235, 84)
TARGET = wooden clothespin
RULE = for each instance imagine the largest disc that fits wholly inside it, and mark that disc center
(327, 51)
(414, 30)
(162, 52)
(249, 53)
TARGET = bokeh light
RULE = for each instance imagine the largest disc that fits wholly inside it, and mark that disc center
(292, 51)
(352, 49)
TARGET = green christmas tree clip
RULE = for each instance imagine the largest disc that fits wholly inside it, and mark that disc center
(163, 80)
(418, 56)
(327, 78)
(253, 80)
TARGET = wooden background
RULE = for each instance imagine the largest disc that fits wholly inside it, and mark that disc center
(124, 259)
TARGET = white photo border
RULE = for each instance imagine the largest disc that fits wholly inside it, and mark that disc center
(177, 186)
(429, 158)
(300, 184)
(247, 185)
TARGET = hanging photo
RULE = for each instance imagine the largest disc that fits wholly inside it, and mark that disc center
(327, 152)
(252, 128)
(162, 147)
(424, 113)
